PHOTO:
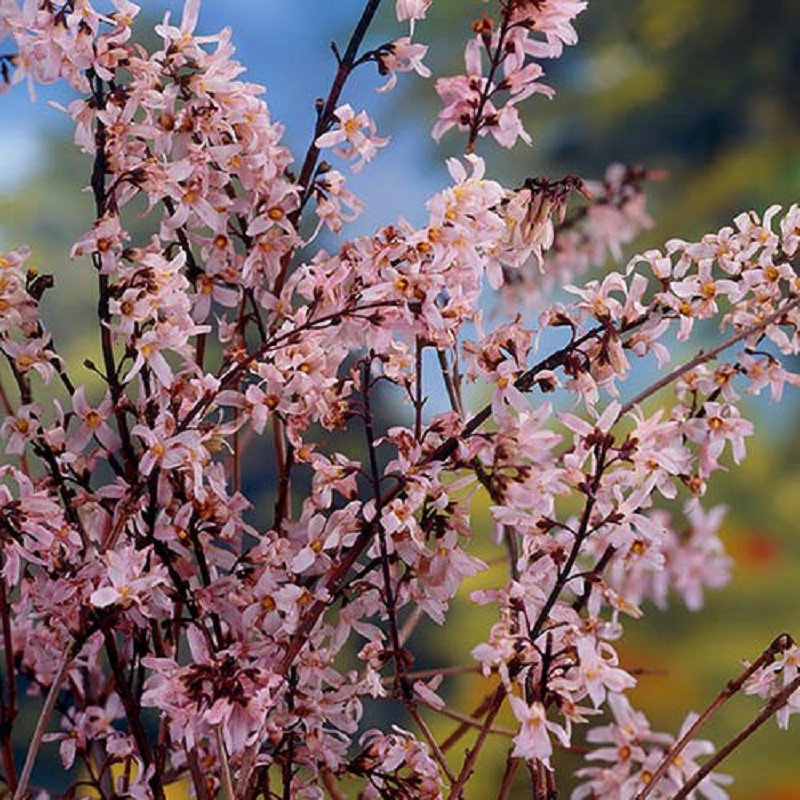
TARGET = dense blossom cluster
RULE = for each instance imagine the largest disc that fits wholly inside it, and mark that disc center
(189, 639)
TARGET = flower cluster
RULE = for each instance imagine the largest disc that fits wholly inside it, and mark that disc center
(264, 623)
(483, 102)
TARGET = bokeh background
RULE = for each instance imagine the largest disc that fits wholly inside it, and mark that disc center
(708, 91)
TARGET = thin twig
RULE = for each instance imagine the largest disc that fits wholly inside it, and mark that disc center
(132, 708)
(198, 776)
(400, 683)
(419, 399)
(449, 382)
(9, 709)
(282, 451)
(98, 184)
(423, 674)
(768, 711)
(44, 718)
(465, 720)
(410, 625)
(324, 120)
(593, 484)
(468, 767)
(495, 60)
(512, 765)
(778, 645)
(227, 781)
(331, 787)
(440, 757)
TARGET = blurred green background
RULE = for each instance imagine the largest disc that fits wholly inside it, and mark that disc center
(709, 91)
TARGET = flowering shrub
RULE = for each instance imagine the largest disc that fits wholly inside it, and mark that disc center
(172, 637)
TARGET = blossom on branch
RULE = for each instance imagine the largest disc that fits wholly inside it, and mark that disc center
(354, 139)
(246, 538)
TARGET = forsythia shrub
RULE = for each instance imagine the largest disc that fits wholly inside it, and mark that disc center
(174, 638)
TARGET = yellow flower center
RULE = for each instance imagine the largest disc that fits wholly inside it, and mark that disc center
(93, 420)
(267, 603)
(708, 290)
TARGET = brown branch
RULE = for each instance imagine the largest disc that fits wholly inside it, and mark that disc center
(495, 60)
(325, 118)
(400, 684)
(284, 459)
(423, 674)
(198, 776)
(438, 754)
(98, 184)
(44, 718)
(419, 400)
(496, 703)
(450, 383)
(331, 787)
(466, 721)
(768, 711)
(132, 712)
(8, 709)
(592, 486)
(506, 784)
(227, 781)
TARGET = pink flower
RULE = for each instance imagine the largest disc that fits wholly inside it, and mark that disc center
(32, 354)
(773, 678)
(106, 239)
(533, 740)
(182, 34)
(720, 424)
(130, 582)
(92, 423)
(86, 727)
(20, 428)
(402, 56)
(354, 138)
(412, 10)
(460, 95)
(597, 670)
(684, 765)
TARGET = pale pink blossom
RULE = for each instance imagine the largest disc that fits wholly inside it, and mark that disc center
(534, 738)
(402, 56)
(355, 137)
